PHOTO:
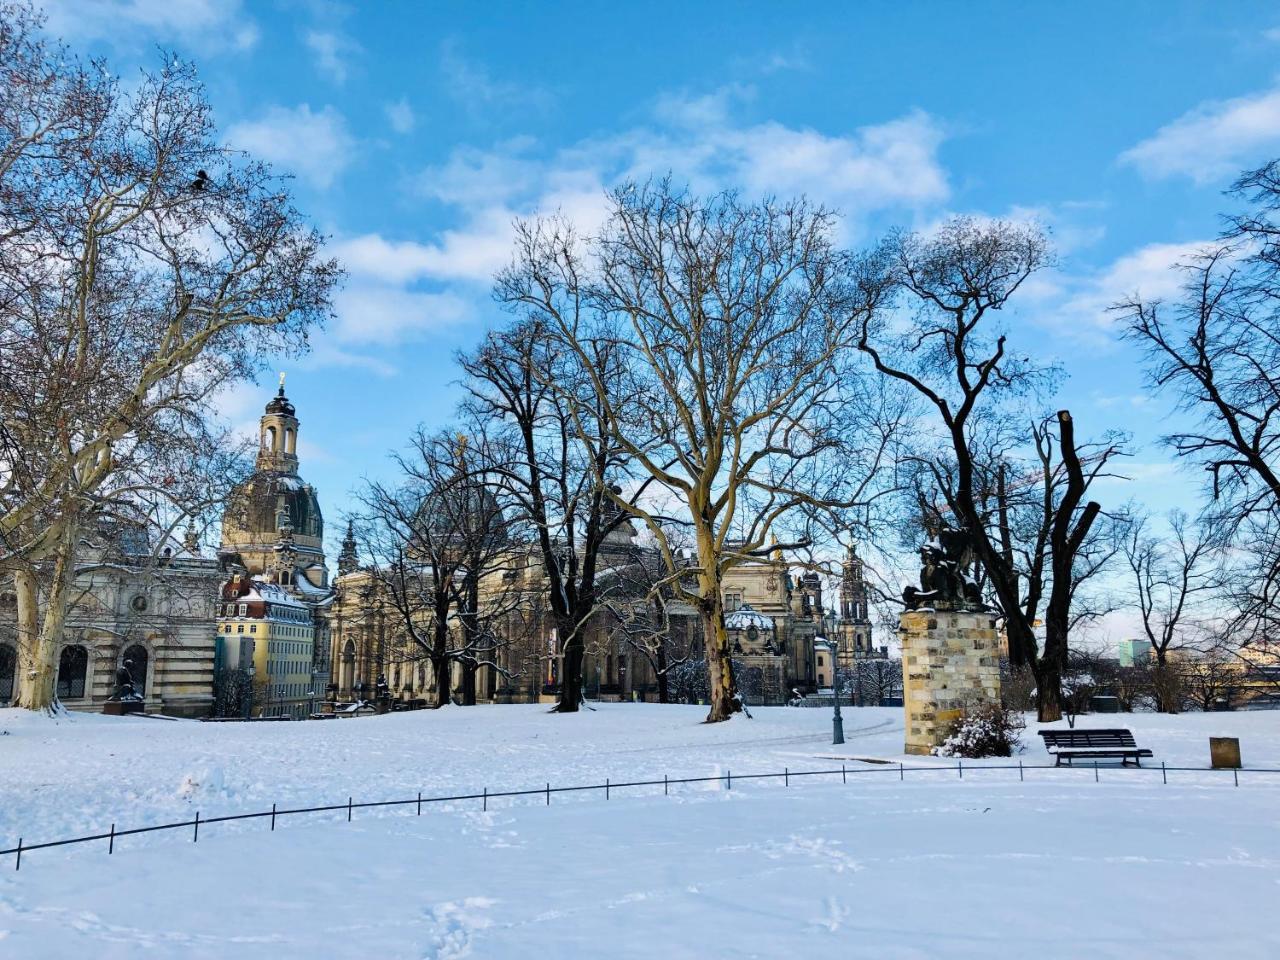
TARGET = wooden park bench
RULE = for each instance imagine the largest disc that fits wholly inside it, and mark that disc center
(1093, 745)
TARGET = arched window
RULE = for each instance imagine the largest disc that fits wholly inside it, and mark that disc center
(269, 439)
(8, 667)
(290, 438)
(73, 668)
(136, 656)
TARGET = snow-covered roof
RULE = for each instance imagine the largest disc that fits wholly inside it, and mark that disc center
(747, 616)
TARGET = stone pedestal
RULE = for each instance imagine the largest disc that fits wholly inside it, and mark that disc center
(949, 658)
(1224, 753)
(118, 708)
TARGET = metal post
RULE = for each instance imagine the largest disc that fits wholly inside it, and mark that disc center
(606, 788)
(273, 818)
(728, 779)
(843, 778)
(486, 800)
(548, 794)
(419, 803)
(18, 865)
(111, 844)
(665, 785)
(837, 722)
(195, 834)
(348, 809)
(1235, 775)
(1095, 771)
(902, 774)
(786, 777)
(1163, 775)
(1019, 771)
(960, 768)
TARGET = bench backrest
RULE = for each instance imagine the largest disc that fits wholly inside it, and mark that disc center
(1088, 738)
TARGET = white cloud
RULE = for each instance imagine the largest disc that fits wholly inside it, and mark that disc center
(401, 288)
(884, 166)
(316, 146)
(204, 24)
(1078, 306)
(474, 87)
(1212, 141)
(400, 115)
(376, 314)
(331, 51)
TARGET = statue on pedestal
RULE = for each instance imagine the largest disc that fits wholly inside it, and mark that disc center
(945, 583)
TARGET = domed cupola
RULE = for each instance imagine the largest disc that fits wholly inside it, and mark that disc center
(274, 497)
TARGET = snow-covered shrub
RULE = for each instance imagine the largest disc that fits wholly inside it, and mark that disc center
(984, 730)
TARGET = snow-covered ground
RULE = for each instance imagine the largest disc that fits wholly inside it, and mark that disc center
(929, 866)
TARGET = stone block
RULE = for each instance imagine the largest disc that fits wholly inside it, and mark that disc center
(1224, 753)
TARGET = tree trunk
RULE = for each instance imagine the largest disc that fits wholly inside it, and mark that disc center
(664, 687)
(571, 667)
(468, 683)
(1048, 690)
(724, 689)
(39, 679)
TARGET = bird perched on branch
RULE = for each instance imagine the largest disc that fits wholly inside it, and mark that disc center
(200, 182)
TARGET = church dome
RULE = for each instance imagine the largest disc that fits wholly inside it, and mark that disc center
(746, 617)
(280, 404)
(256, 505)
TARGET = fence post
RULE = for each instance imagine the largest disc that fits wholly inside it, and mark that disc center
(606, 788)
(1163, 774)
(548, 794)
(1019, 771)
(786, 777)
(195, 835)
(665, 785)
(843, 778)
(111, 844)
(419, 803)
(902, 773)
(348, 809)
(273, 818)
(485, 808)
(1235, 774)
(728, 779)
(18, 866)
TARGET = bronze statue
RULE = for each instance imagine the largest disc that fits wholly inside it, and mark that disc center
(944, 580)
(124, 683)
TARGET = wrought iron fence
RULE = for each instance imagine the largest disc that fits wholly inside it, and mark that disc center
(608, 787)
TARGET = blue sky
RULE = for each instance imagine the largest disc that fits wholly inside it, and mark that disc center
(418, 131)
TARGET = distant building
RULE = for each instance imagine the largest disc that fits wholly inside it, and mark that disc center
(273, 626)
(1134, 653)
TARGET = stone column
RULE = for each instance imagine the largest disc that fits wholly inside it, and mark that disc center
(949, 658)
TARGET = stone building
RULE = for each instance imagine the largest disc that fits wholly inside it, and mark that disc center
(135, 602)
(272, 556)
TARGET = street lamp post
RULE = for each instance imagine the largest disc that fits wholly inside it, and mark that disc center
(837, 723)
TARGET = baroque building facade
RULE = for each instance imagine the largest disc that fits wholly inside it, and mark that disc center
(140, 602)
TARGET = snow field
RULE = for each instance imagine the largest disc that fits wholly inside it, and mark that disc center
(932, 866)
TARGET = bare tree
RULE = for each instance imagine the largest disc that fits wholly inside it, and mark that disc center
(440, 543)
(1176, 576)
(729, 379)
(954, 281)
(552, 479)
(142, 266)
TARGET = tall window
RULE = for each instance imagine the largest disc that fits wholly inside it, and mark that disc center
(73, 667)
(137, 657)
(8, 667)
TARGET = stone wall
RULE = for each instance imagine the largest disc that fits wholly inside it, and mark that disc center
(949, 658)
